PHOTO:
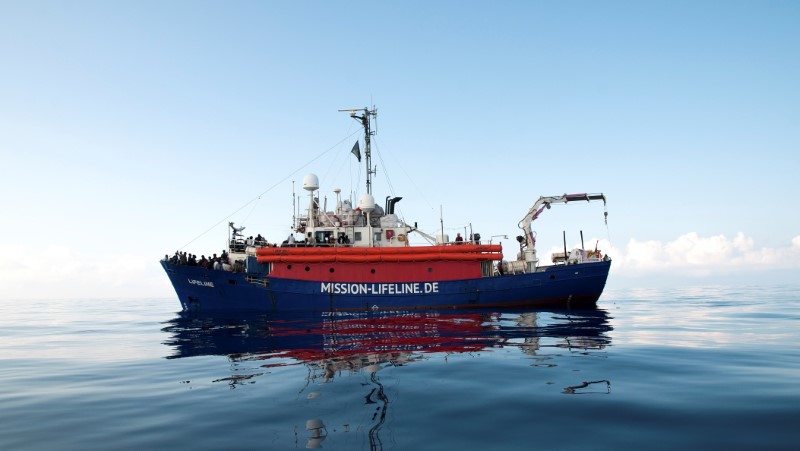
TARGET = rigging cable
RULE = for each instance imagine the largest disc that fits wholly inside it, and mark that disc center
(422, 194)
(247, 216)
(388, 179)
(270, 189)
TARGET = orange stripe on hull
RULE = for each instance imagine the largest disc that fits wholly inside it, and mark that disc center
(329, 251)
(429, 256)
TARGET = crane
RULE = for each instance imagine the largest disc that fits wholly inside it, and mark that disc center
(528, 238)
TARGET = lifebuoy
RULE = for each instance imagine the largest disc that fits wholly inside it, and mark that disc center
(401, 237)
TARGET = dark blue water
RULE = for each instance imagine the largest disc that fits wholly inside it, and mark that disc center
(709, 368)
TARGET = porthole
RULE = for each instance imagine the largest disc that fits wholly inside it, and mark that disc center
(372, 271)
(430, 269)
(308, 269)
(331, 270)
(552, 277)
(288, 266)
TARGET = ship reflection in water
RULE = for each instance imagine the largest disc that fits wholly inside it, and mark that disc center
(349, 343)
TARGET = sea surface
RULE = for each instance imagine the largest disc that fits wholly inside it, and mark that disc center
(700, 368)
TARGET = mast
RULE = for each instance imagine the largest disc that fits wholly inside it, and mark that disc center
(365, 122)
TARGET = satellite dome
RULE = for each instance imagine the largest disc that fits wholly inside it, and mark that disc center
(310, 182)
(366, 202)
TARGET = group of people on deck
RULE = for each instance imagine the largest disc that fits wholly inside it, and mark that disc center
(221, 262)
(474, 238)
(238, 243)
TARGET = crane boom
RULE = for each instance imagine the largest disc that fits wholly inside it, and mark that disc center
(427, 237)
(545, 202)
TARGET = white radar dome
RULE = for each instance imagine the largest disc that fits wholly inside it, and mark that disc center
(366, 202)
(310, 182)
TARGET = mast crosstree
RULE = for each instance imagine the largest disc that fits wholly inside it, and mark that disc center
(365, 122)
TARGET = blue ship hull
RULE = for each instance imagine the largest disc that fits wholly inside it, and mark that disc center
(554, 286)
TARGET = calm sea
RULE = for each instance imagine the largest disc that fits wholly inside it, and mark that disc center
(702, 368)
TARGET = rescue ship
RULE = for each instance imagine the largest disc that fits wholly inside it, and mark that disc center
(362, 258)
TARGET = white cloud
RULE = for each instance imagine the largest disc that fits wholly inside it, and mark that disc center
(693, 255)
(61, 272)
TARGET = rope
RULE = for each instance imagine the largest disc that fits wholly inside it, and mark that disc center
(255, 204)
(269, 189)
(400, 165)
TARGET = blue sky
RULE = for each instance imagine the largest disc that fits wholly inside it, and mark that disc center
(131, 129)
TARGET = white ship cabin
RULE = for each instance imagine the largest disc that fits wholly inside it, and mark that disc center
(366, 225)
